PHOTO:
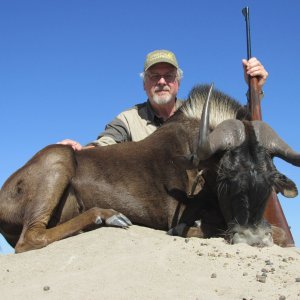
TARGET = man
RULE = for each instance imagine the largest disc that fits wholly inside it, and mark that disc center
(161, 77)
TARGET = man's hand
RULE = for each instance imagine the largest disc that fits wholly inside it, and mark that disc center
(254, 68)
(75, 145)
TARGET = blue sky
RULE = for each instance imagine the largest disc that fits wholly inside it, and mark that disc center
(69, 67)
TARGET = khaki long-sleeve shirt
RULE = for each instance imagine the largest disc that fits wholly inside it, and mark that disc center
(133, 125)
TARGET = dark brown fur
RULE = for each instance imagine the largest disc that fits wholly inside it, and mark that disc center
(59, 192)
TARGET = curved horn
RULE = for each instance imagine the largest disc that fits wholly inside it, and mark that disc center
(228, 134)
(270, 140)
(203, 150)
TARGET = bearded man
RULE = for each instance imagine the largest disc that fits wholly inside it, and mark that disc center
(161, 79)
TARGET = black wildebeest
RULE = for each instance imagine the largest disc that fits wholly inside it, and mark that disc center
(220, 172)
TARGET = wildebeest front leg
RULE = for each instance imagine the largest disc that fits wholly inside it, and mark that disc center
(199, 229)
(187, 231)
(37, 235)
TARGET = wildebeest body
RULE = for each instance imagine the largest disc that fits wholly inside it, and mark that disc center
(60, 192)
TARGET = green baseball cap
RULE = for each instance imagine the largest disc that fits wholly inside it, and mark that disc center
(160, 56)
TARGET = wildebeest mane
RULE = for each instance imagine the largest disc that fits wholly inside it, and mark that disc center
(223, 106)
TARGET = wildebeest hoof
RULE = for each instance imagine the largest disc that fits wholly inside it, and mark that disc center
(177, 230)
(118, 220)
(197, 223)
(98, 221)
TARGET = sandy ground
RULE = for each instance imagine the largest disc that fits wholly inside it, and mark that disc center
(141, 263)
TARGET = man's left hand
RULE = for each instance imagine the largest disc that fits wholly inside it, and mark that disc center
(254, 68)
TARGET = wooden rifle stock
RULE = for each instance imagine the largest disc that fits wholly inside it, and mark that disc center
(273, 211)
(254, 99)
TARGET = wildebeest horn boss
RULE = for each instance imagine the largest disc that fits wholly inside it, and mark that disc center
(156, 182)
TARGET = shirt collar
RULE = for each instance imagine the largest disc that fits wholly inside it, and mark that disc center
(153, 118)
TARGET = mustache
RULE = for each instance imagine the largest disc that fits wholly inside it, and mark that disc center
(163, 88)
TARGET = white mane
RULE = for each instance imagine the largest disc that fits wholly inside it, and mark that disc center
(223, 107)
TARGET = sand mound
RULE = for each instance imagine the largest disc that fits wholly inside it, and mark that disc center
(141, 263)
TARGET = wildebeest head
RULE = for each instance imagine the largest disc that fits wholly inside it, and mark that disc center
(246, 174)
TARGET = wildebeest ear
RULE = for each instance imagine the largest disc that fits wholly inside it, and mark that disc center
(286, 186)
(185, 161)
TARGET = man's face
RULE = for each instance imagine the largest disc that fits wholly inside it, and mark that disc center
(161, 83)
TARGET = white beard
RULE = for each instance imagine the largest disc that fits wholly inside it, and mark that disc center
(163, 99)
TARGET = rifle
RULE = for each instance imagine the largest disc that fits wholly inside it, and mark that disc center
(273, 211)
